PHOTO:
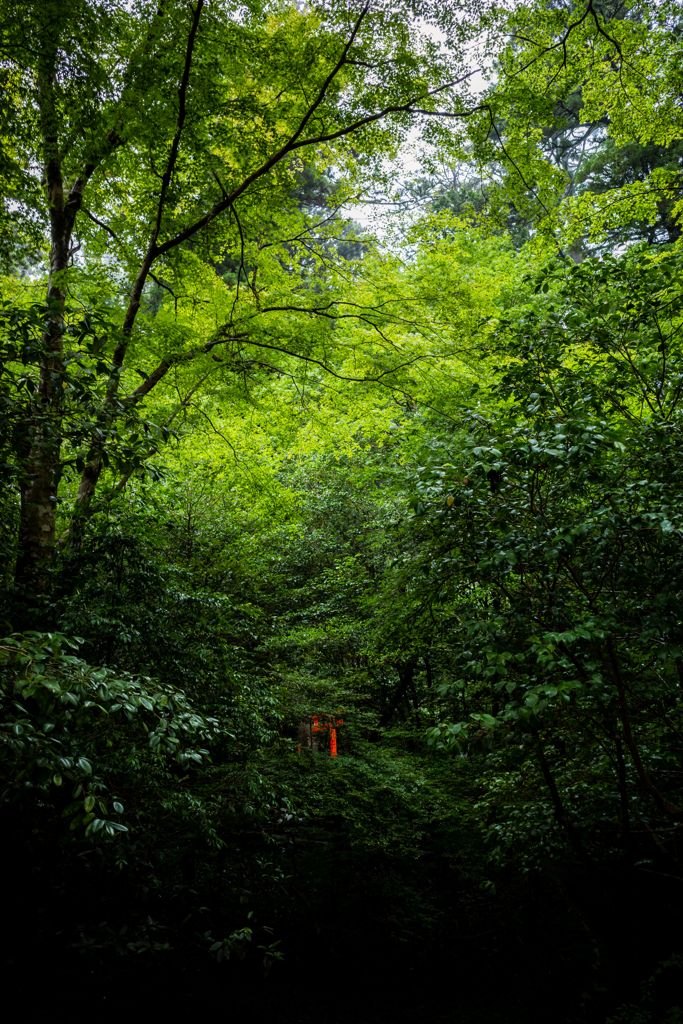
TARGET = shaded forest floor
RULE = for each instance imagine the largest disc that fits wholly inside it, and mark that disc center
(572, 946)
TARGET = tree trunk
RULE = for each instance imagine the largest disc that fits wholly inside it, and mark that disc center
(560, 813)
(405, 675)
(41, 470)
(93, 469)
(42, 467)
(623, 794)
(669, 808)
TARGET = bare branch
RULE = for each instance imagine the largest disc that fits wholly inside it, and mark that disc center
(562, 43)
(118, 487)
(75, 198)
(162, 284)
(523, 179)
(101, 224)
(152, 252)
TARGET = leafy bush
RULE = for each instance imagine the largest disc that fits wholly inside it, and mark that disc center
(65, 722)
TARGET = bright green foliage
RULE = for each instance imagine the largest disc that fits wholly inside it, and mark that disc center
(611, 168)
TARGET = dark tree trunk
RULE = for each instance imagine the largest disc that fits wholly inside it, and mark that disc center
(558, 807)
(405, 676)
(41, 470)
(623, 795)
(42, 467)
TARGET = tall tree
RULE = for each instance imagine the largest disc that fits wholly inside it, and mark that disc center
(162, 130)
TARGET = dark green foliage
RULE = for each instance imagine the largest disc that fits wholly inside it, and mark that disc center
(611, 167)
(558, 539)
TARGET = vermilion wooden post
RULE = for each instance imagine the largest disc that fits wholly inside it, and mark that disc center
(333, 742)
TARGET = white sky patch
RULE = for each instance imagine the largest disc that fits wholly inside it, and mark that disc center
(372, 213)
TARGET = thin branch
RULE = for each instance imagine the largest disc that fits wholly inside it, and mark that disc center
(173, 360)
(219, 183)
(153, 451)
(524, 181)
(666, 805)
(101, 224)
(75, 198)
(333, 373)
(182, 110)
(241, 269)
(162, 284)
(330, 78)
(304, 231)
(216, 430)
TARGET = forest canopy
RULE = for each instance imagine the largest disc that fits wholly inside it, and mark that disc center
(341, 433)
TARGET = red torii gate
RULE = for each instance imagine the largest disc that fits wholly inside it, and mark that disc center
(319, 723)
